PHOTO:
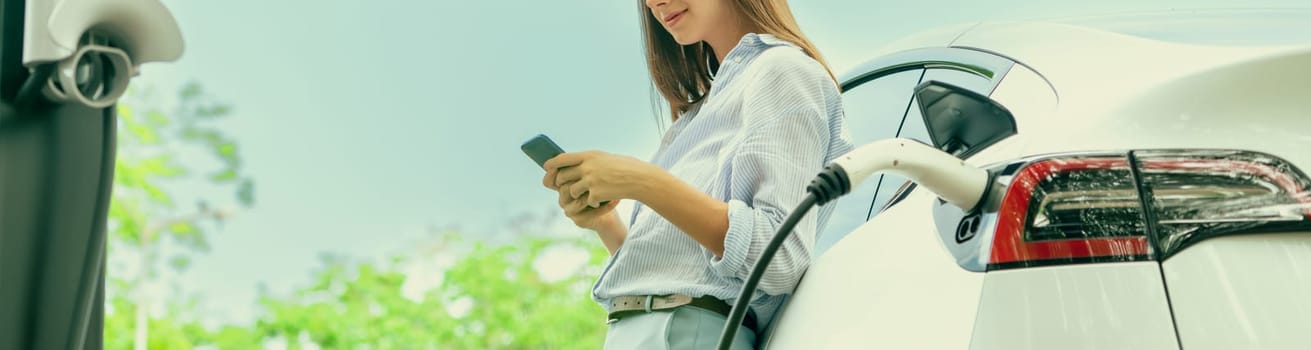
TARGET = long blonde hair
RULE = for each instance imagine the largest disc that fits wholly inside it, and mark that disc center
(682, 73)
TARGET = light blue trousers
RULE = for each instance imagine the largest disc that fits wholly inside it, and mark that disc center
(678, 329)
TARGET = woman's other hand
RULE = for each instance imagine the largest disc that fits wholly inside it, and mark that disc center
(584, 215)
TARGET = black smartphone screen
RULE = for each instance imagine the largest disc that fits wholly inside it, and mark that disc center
(541, 149)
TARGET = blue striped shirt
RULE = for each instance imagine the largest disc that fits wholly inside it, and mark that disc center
(771, 121)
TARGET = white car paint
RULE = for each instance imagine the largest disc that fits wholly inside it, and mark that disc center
(879, 288)
(1243, 292)
(1088, 306)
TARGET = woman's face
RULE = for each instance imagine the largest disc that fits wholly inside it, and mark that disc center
(693, 21)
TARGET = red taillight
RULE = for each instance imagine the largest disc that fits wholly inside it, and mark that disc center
(1194, 195)
(1142, 206)
(1285, 182)
(1012, 246)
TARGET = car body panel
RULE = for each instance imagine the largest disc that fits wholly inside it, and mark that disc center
(1088, 306)
(880, 288)
(1243, 292)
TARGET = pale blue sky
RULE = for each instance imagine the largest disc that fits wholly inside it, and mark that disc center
(364, 122)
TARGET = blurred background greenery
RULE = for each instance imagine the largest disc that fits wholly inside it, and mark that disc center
(449, 292)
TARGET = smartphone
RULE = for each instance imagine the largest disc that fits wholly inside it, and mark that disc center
(541, 149)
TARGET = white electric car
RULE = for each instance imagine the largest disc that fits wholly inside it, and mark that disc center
(1154, 195)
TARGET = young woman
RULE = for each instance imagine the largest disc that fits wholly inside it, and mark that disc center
(756, 115)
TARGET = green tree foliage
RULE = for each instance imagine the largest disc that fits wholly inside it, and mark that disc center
(176, 328)
(494, 297)
(165, 141)
(489, 297)
(159, 142)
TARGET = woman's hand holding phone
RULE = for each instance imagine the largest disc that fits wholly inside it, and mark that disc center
(574, 200)
(584, 193)
(598, 177)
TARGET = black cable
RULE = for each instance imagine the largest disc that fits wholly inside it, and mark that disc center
(743, 303)
(827, 186)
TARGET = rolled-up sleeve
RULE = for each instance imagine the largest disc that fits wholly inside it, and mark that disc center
(785, 140)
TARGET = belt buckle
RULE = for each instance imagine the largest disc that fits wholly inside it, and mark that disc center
(648, 306)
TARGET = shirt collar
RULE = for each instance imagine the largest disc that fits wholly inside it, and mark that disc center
(751, 45)
(756, 42)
